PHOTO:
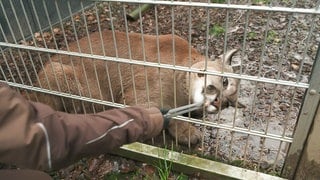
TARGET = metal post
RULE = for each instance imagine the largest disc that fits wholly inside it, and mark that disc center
(309, 165)
(305, 121)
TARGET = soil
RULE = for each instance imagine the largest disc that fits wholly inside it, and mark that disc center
(269, 49)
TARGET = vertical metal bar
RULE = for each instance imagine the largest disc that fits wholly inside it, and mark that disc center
(158, 54)
(2, 72)
(38, 22)
(58, 83)
(189, 65)
(61, 25)
(173, 56)
(21, 33)
(205, 69)
(7, 65)
(286, 119)
(251, 119)
(49, 22)
(73, 26)
(49, 57)
(79, 50)
(277, 155)
(102, 48)
(308, 38)
(306, 117)
(15, 41)
(130, 55)
(223, 65)
(144, 57)
(91, 52)
(104, 54)
(159, 69)
(158, 43)
(231, 144)
(115, 46)
(28, 23)
(264, 44)
(241, 72)
(261, 147)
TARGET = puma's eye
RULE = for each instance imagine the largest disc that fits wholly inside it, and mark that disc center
(225, 81)
(210, 88)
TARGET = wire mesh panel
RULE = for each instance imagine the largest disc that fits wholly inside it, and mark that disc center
(167, 54)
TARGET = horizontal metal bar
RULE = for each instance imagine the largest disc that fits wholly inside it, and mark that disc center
(67, 95)
(189, 164)
(236, 129)
(117, 105)
(158, 65)
(225, 6)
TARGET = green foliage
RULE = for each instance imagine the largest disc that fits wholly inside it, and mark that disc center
(182, 177)
(261, 1)
(217, 30)
(218, 1)
(272, 37)
(252, 35)
(238, 163)
(114, 175)
(164, 167)
(274, 173)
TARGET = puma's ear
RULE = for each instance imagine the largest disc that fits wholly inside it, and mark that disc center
(228, 56)
(200, 74)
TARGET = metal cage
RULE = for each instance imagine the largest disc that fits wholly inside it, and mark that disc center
(277, 64)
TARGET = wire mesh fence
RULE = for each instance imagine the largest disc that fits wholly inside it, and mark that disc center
(111, 60)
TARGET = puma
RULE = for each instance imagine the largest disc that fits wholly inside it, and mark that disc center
(138, 84)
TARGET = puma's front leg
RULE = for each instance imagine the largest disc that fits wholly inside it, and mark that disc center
(184, 132)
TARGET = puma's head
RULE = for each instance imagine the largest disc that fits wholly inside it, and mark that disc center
(215, 91)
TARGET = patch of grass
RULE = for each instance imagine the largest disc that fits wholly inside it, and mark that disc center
(252, 35)
(164, 166)
(119, 175)
(182, 177)
(218, 1)
(261, 1)
(272, 37)
(217, 30)
(238, 163)
(164, 169)
(274, 173)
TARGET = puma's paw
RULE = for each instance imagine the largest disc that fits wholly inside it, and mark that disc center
(184, 132)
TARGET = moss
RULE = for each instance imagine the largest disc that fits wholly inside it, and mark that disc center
(218, 1)
(217, 30)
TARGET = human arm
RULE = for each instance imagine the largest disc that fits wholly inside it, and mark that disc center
(35, 136)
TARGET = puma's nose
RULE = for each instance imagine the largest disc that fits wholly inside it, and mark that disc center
(216, 102)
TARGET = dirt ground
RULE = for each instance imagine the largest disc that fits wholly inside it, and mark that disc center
(269, 49)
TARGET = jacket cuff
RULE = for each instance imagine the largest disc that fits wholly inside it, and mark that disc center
(155, 125)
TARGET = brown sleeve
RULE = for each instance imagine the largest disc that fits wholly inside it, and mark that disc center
(33, 135)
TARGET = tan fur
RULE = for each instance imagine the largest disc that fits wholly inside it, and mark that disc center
(128, 82)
